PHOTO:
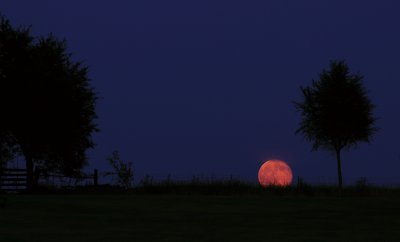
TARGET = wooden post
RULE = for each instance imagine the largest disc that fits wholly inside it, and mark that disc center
(29, 172)
(95, 177)
(1, 174)
(36, 176)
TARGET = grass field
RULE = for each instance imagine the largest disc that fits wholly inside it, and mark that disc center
(198, 218)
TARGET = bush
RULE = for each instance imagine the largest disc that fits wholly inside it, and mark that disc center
(123, 170)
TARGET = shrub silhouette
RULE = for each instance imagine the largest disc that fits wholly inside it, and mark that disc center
(122, 169)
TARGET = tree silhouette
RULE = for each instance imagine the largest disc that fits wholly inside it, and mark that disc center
(48, 105)
(336, 112)
(122, 169)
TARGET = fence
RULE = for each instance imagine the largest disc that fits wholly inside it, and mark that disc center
(60, 180)
(15, 180)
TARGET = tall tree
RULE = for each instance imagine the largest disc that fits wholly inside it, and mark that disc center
(47, 102)
(336, 112)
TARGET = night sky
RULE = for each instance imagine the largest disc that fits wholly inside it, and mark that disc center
(206, 87)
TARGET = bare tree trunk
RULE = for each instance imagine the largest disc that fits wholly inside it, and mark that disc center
(29, 172)
(339, 169)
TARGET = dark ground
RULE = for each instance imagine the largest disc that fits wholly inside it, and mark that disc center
(172, 217)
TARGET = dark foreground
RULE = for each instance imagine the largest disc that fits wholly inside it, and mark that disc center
(198, 218)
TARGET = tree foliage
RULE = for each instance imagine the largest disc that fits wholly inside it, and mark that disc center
(47, 103)
(336, 111)
(8, 149)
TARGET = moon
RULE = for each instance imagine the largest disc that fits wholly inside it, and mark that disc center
(275, 173)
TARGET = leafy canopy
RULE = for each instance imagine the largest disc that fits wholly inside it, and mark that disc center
(48, 106)
(336, 111)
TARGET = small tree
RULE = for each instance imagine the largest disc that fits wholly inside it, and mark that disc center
(122, 169)
(336, 112)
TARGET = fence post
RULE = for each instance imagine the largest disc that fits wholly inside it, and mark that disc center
(1, 174)
(95, 177)
(36, 176)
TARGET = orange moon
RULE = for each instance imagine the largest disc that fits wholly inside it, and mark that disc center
(275, 173)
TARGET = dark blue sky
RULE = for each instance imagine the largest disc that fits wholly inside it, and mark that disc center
(206, 87)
